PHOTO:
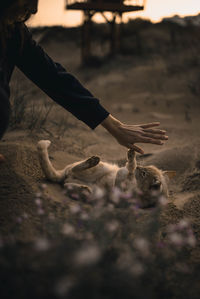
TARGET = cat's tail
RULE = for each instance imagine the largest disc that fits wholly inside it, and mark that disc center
(50, 172)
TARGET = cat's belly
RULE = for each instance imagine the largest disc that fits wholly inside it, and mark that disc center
(101, 175)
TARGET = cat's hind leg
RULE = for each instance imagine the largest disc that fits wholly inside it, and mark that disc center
(125, 175)
(89, 163)
(50, 172)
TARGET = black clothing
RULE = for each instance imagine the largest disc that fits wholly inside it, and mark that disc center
(5, 4)
(4, 112)
(51, 77)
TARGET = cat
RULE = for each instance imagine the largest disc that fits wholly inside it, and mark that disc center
(88, 174)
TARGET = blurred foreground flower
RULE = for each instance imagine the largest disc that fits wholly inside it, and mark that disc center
(176, 239)
(162, 200)
(115, 195)
(137, 269)
(87, 255)
(112, 226)
(42, 244)
(41, 211)
(142, 245)
(63, 286)
(75, 208)
(68, 229)
(98, 193)
(181, 234)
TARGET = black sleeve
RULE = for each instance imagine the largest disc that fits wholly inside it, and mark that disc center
(57, 83)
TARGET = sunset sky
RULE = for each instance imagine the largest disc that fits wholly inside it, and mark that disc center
(51, 12)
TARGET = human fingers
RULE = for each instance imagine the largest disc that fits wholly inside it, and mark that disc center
(140, 136)
(150, 125)
(155, 131)
(150, 140)
(136, 148)
(155, 136)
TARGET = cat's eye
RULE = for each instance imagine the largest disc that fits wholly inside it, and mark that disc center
(155, 186)
(143, 174)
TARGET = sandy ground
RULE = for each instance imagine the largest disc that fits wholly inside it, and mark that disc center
(135, 91)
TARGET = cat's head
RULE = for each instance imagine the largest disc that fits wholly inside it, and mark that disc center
(153, 183)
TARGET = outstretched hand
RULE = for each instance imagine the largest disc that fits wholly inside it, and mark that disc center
(128, 135)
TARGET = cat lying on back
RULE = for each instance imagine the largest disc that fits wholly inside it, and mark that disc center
(92, 172)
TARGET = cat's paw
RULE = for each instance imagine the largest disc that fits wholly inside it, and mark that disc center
(131, 154)
(74, 190)
(93, 161)
(85, 188)
(43, 144)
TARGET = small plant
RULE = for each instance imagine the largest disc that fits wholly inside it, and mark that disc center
(28, 115)
(194, 87)
(18, 109)
(37, 115)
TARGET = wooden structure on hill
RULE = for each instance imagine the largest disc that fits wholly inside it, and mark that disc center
(116, 7)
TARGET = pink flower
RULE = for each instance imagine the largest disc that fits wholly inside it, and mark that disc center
(112, 226)
(38, 194)
(183, 224)
(176, 239)
(38, 202)
(84, 216)
(126, 195)
(42, 244)
(160, 245)
(75, 196)
(64, 285)
(75, 208)
(43, 186)
(87, 255)
(41, 211)
(25, 216)
(68, 229)
(142, 245)
(115, 195)
(191, 241)
(98, 193)
(162, 200)
(19, 220)
(137, 269)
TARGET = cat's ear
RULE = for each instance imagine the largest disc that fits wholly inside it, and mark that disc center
(170, 173)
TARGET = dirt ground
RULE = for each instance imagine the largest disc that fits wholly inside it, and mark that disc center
(135, 91)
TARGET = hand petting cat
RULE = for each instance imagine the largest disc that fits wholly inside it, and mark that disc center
(128, 135)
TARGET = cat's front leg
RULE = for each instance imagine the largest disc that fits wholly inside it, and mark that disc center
(131, 163)
(87, 164)
(125, 177)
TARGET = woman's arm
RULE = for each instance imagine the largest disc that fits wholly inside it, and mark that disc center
(60, 85)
